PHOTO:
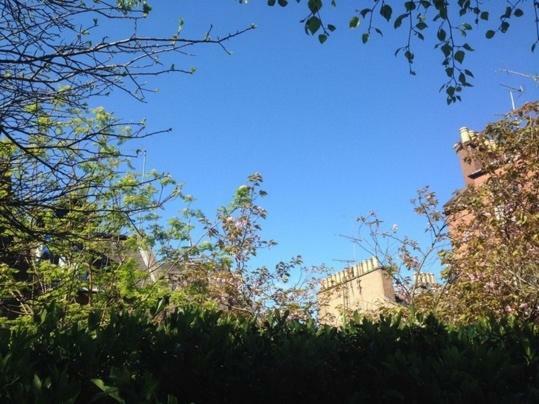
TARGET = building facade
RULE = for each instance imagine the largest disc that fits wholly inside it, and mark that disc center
(365, 287)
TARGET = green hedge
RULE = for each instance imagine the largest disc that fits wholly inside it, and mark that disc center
(202, 356)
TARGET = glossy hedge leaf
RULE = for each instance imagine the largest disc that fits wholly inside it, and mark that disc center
(386, 11)
(108, 391)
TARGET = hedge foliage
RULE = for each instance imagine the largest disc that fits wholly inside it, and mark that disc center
(201, 356)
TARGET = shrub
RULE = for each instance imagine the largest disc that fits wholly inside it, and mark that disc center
(195, 355)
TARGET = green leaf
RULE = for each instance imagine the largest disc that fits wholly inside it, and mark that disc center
(467, 47)
(146, 8)
(37, 382)
(332, 27)
(365, 11)
(109, 391)
(365, 37)
(398, 20)
(283, 3)
(313, 24)
(322, 38)
(518, 12)
(441, 34)
(489, 34)
(315, 6)
(484, 15)
(271, 3)
(446, 49)
(354, 22)
(459, 56)
(386, 11)
(409, 5)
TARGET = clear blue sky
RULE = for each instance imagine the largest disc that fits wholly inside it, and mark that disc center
(336, 129)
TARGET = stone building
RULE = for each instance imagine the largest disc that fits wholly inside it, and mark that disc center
(365, 287)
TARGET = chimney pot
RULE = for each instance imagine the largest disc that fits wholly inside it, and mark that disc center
(464, 134)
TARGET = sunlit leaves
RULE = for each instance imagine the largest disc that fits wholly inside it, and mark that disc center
(494, 229)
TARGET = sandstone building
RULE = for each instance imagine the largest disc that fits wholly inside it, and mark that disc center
(365, 286)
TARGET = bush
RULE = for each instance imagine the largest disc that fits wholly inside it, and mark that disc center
(201, 356)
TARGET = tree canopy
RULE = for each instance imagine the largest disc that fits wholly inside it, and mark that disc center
(74, 214)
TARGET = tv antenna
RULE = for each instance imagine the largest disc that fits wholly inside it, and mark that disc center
(144, 155)
(512, 90)
(533, 77)
(347, 262)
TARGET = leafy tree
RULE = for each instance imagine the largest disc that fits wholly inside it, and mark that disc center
(53, 64)
(446, 22)
(209, 260)
(55, 229)
(67, 192)
(404, 258)
(494, 265)
(491, 268)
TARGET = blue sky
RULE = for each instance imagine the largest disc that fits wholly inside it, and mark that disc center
(337, 129)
